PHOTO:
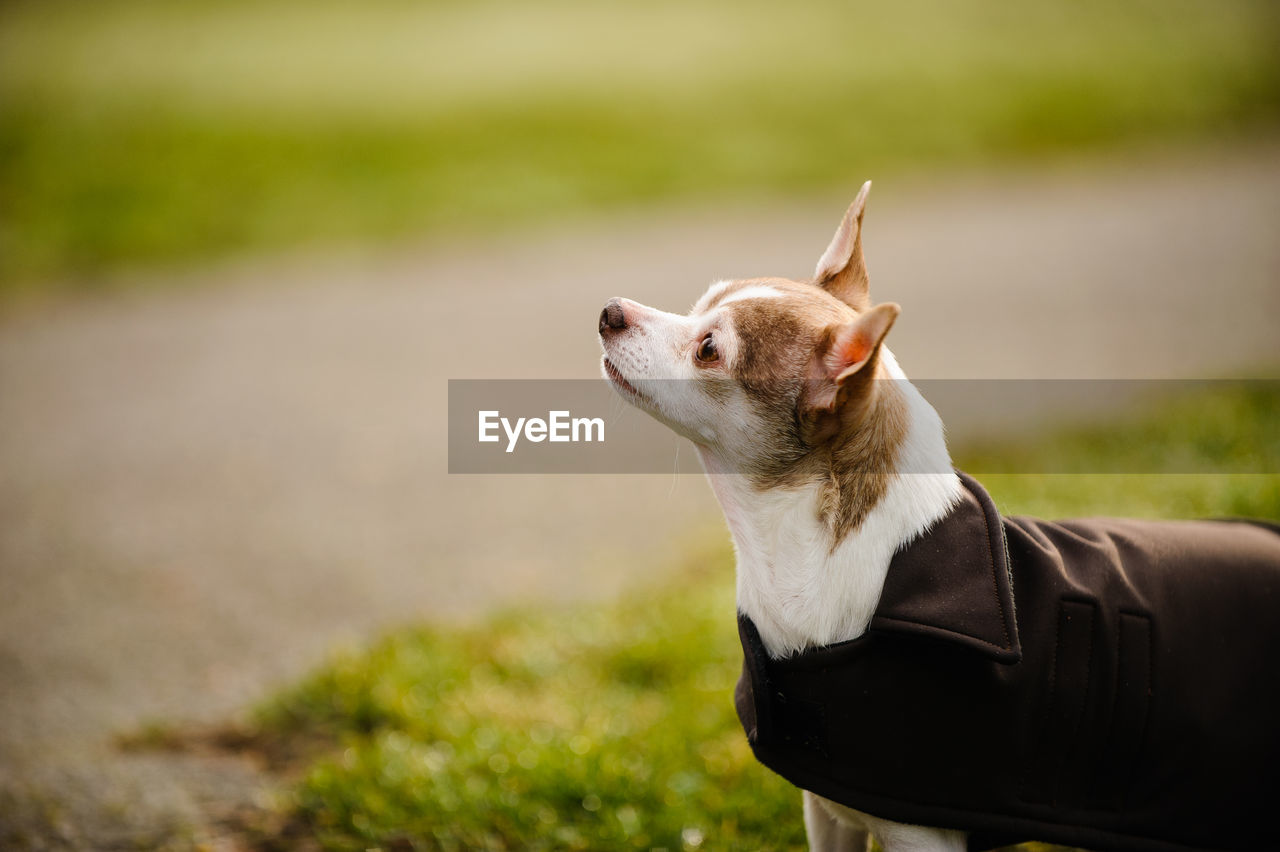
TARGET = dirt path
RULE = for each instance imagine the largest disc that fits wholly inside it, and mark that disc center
(203, 489)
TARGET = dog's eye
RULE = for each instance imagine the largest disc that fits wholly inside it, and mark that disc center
(707, 351)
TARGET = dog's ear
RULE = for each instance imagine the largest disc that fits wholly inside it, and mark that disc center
(855, 344)
(845, 360)
(842, 270)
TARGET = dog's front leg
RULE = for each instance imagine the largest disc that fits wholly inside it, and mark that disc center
(829, 833)
(898, 837)
(832, 826)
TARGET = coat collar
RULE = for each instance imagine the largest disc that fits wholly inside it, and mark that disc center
(954, 582)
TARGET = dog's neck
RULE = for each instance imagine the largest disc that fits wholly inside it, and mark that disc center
(801, 584)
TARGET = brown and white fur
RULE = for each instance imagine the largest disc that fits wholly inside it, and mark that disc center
(823, 469)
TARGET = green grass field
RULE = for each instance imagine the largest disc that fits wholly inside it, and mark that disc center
(604, 727)
(141, 133)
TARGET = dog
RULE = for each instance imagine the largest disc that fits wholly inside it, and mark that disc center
(932, 674)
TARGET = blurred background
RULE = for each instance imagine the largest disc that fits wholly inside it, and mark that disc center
(244, 245)
(138, 133)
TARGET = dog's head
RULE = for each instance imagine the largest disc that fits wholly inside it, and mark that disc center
(761, 372)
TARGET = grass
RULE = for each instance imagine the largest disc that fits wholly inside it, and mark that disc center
(139, 132)
(610, 727)
(592, 729)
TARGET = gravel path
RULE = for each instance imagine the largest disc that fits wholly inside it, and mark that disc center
(205, 486)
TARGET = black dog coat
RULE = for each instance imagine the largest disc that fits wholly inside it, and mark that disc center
(1103, 683)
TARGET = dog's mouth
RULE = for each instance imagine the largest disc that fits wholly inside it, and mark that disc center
(619, 382)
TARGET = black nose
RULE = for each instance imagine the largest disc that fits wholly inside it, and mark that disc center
(612, 316)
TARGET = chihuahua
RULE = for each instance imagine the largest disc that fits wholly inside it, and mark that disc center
(831, 470)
